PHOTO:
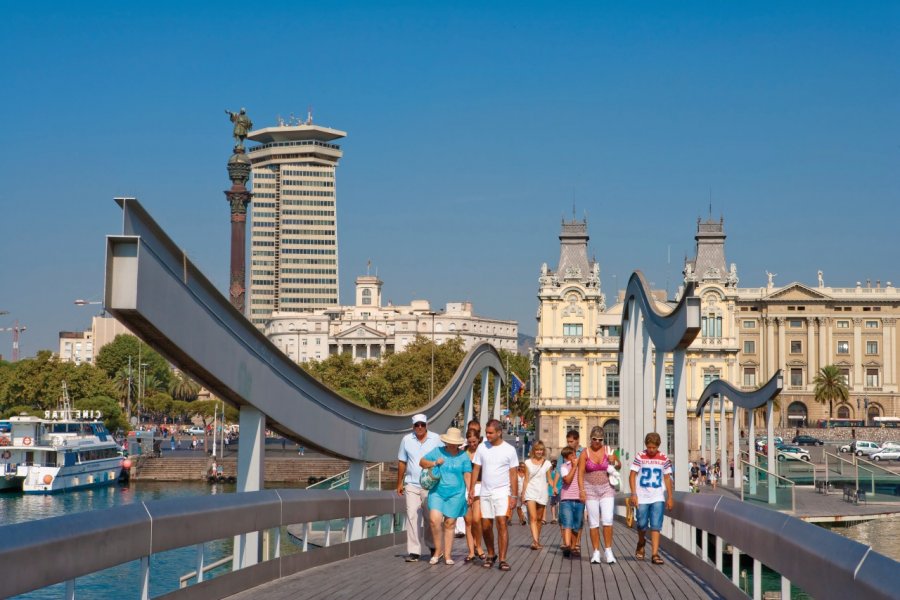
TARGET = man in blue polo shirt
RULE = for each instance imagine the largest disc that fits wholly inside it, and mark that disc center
(413, 447)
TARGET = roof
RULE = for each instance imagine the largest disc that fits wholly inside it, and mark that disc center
(290, 133)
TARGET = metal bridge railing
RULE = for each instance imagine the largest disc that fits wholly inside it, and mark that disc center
(94, 541)
(807, 557)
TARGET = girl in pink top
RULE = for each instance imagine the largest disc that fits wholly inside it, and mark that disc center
(598, 494)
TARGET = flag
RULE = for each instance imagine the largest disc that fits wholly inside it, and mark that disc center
(516, 386)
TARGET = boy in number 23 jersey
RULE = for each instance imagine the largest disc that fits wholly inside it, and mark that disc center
(651, 489)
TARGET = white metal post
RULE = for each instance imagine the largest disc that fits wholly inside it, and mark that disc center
(357, 477)
(682, 533)
(483, 413)
(752, 452)
(723, 444)
(772, 451)
(660, 402)
(250, 476)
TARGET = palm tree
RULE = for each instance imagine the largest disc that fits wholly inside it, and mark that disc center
(184, 388)
(830, 386)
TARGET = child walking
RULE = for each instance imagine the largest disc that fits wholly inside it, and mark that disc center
(571, 508)
(651, 489)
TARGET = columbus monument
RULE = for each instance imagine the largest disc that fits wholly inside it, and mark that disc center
(238, 198)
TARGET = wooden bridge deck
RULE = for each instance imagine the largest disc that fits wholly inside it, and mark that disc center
(536, 574)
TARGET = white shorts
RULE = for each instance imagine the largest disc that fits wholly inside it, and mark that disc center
(600, 512)
(495, 505)
(477, 491)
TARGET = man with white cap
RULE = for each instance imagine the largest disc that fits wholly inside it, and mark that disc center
(413, 447)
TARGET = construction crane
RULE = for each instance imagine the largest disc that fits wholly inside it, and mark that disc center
(16, 330)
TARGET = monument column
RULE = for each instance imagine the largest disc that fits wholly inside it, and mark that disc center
(238, 199)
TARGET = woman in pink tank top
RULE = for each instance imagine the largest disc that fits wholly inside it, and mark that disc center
(597, 493)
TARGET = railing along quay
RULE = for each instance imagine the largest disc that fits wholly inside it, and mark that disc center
(815, 560)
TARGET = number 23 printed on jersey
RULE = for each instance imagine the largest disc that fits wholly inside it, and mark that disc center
(651, 477)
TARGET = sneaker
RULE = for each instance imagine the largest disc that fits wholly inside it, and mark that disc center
(610, 559)
(595, 557)
(412, 558)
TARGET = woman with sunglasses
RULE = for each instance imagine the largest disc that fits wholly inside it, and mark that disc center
(536, 486)
(597, 493)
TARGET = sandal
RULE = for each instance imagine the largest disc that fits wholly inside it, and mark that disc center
(504, 566)
(576, 552)
(480, 556)
(469, 559)
(435, 559)
(535, 546)
(639, 553)
(449, 561)
(489, 562)
(656, 560)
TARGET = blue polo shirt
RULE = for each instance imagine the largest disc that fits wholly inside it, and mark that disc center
(412, 451)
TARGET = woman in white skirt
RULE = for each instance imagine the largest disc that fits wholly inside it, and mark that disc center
(536, 486)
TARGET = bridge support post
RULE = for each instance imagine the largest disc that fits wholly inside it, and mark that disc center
(498, 385)
(469, 410)
(250, 474)
(682, 531)
(660, 401)
(483, 414)
(751, 449)
(357, 479)
(712, 433)
(736, 446)
(723, 443)
(772, 451)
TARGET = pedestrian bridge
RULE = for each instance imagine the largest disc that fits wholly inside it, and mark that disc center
(237, 543)
(730, 543)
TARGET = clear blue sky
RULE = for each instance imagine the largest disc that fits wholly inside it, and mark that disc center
(472, 131)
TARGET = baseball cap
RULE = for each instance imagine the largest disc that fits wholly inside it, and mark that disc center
(419, 418)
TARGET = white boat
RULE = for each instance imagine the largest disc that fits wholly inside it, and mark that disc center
(66, 450)
(8, 479)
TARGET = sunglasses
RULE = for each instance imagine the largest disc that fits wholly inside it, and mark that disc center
(597, 440)
(418, 424)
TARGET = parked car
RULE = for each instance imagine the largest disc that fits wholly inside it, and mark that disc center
(807, 440)
(761, 443)
(195, 431)
(864, 448)
(890, 446)
(886, 454)
(792, 453)
(848, 447)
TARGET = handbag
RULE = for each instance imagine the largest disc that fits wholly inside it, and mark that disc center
(429, 478)
(615, 480)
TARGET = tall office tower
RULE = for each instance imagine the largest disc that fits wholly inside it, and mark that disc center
(293, 231)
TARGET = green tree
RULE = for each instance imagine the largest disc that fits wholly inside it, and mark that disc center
(157, 407)
(114, 356)
(183, 387)
(830, 386)
(113, 417)
(37, 382)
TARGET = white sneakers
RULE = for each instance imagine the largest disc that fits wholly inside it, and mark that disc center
(610, 559)
(595, 557)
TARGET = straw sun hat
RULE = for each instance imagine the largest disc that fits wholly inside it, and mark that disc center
(453, 437)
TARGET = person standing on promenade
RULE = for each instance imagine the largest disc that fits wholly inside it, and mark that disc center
(473, 515)
(448, 501)
(598, 493)
(496, 463)
(571, 508)
(651, 493)
(413, 447)
(537, 490)
(573, 442)
(553, 491)
(520, 504)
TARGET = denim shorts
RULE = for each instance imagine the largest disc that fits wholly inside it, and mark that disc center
(571, 514)
(650, 516)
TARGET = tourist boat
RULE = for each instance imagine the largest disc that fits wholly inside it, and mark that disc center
(66, 450)
(8, 479)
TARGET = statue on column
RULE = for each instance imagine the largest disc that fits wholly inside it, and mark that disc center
(242, 126)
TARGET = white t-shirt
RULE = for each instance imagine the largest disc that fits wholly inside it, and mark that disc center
(496, 461)
(651, 477)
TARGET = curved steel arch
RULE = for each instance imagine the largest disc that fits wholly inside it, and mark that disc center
(669, 331)
(154, 290)
(746, 400)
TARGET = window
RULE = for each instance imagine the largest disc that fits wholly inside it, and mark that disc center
(749, 324)
(845, 374)
(871, 377)
(843, 412)
(612, 385)
(367, 297)
(572, 329)
(709, 377)
(573, 385)
(795, 323)
(843, 325)
(843, 347)
(573, 424)
(871, 324)
(796, 377)
(796, 346)
(711, 326)
(750, 376)
(670, 386)
(749, 347)
(871, 347)
(611, 433)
